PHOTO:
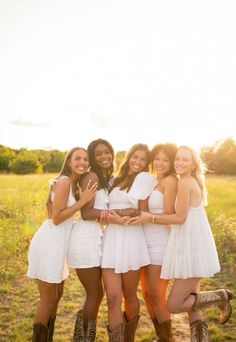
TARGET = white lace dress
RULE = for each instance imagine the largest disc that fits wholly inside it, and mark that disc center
(191, 250)
(124, 247)
(48, 249)
(85, 245)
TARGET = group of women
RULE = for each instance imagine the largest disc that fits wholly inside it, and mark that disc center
(142, 224)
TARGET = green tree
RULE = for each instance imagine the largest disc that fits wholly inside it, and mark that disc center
(25, 162)
(6, 156)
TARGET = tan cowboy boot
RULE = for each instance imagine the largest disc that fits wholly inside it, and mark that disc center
(130, 328)
(51, 325)
(90, 330)
(40, 333)
(79, 328)
(220, 298)
(163, 330)
(117, 334)
(198, 331)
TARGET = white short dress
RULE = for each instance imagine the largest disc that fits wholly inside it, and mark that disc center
(124, 247)
(191, 250)
(85, 245)
(48, 249)
(156, 235)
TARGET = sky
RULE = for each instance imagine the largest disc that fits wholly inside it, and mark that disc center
(128, 71)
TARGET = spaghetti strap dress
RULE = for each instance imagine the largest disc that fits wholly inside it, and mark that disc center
(48, 248)
(191, 250)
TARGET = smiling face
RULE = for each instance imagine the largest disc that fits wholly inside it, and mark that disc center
(184, 163)
(79, 162)
(161, 164)
(137, 161)
(103, 156)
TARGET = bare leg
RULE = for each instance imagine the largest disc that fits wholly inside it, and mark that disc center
(59, 289)
(48, 301)
(113, 287)
(130, 281)
(180, 298)
(92, 283)
(157, 293)
(146, 292)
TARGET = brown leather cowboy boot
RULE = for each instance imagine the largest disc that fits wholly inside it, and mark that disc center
(198, 331)
(51, 325)
(163, 330)
(130, 328)
(89, 330)
(79, 328)
(117, 334)
(220, 298)
(40, 333)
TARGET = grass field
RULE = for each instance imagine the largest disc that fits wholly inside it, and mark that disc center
(22, 209)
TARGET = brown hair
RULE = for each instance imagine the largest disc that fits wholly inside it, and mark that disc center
(65, 171)
(170, 151)
(123, 174)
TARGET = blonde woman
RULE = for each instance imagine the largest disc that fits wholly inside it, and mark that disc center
(191, 252)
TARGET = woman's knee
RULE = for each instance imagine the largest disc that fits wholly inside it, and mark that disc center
(173, 306)
(113, 300)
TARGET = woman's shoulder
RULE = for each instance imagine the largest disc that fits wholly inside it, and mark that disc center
(186, 182)
(170, 180)
(90, 175)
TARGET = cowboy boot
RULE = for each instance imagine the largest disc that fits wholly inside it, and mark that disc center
(220, 298)
(40, 333)
(51, 324)
(79, 328)
(117, 334)
(198, 331)
(90, 330)
(163, 330)
(130, 328)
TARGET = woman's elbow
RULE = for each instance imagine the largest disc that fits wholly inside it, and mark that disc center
(181, 219)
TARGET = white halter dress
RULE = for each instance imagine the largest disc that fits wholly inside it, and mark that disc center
(48, 249)
(85, 245)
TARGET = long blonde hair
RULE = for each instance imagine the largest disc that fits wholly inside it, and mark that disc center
(199, 171)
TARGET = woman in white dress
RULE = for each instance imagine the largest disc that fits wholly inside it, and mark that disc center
(191, 252)
(161, 189)
(124, 248)
(85, 245)
(48, 248)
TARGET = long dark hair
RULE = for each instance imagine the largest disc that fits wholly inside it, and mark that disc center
(103, 179)
(170, 151)
(123, 174)
(65, 171)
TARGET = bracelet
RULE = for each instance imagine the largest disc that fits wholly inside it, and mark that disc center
(153, 218)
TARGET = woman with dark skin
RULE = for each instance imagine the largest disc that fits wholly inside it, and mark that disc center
(48, 248)
(85, 247)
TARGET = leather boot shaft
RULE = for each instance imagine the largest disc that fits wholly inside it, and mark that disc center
(40, 333)
(198, 331)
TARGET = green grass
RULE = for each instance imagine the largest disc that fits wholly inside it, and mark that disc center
(22, 209)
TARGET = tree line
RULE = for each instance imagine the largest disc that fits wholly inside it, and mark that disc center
(219, 158)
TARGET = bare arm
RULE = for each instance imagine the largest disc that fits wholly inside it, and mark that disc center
(183, 200)
(60, 211)
(169, 194)
(88, 212)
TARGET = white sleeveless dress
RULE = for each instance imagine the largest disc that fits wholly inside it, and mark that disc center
(85, 245)
(191, 250)
(124, 247)
(48, 249)
(156, 235)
